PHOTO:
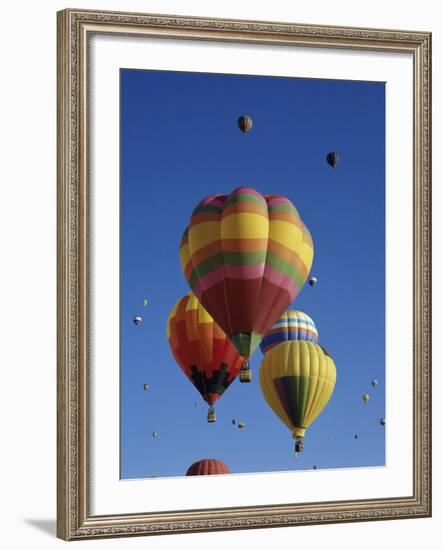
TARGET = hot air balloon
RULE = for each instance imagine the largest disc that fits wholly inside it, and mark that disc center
(145, 302)
(332, 159)
(233, 421)
(202, 350)
(382, 421)
(146, 386)
(137, 320)
(154, 434)
(241, 425)
(245, 123)
(365, 397)
(312, 281)
(246, 257)
(297, 379)
(355, 436)
(208, 466)
(292, 325)
(374, 383)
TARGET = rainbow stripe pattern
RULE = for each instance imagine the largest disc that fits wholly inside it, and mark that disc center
(246, 257)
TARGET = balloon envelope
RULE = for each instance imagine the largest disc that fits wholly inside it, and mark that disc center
(246, 257)
(332, 159)
(245, 123)
(208, 466)
(202, 349)
(297, 379)
(292, 325)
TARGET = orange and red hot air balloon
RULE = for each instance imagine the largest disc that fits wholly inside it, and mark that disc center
(246, 256)
(208, 466)
(202, 350)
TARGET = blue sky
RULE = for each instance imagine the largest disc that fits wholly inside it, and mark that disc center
(179, 143)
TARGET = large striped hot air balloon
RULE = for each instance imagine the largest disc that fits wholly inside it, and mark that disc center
(208, 466)
(246, 256)
(292, 325)
(202, 350)
(297, 379)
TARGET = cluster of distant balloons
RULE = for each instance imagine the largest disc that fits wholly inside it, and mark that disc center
(366, 398)
(245, 257)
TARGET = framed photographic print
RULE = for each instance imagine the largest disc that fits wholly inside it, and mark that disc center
(243, 274)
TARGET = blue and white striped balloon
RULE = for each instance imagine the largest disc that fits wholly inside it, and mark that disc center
(292, 325)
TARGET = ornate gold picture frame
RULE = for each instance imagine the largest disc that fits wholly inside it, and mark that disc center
(75, 516)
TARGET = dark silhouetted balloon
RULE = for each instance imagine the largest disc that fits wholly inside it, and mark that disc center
(245, 123)
(137, 320)
(312, 281)
(332, 159)
(208, 466)
(382, 421)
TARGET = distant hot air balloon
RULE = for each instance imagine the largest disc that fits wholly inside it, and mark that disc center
(146, 386)
(246, 257)
(292, 325)
(374, 383)
(145, 302)
(245, 123)
(314, 467)
(382, 421)
(208, 466)
(241, 425)
(154, 434)
(355, 436)
(365, 397)
(332, 159)
(233, 421)
(202, 350)
(312, 281)
(137, 320)
(297, 379)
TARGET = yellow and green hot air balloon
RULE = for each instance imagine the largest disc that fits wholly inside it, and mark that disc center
(297, 379)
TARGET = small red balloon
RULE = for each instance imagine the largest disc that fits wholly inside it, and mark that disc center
(208, 466)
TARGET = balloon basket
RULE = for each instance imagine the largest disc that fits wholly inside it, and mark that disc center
(211, 415)
(299, 445)
(245, 375)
